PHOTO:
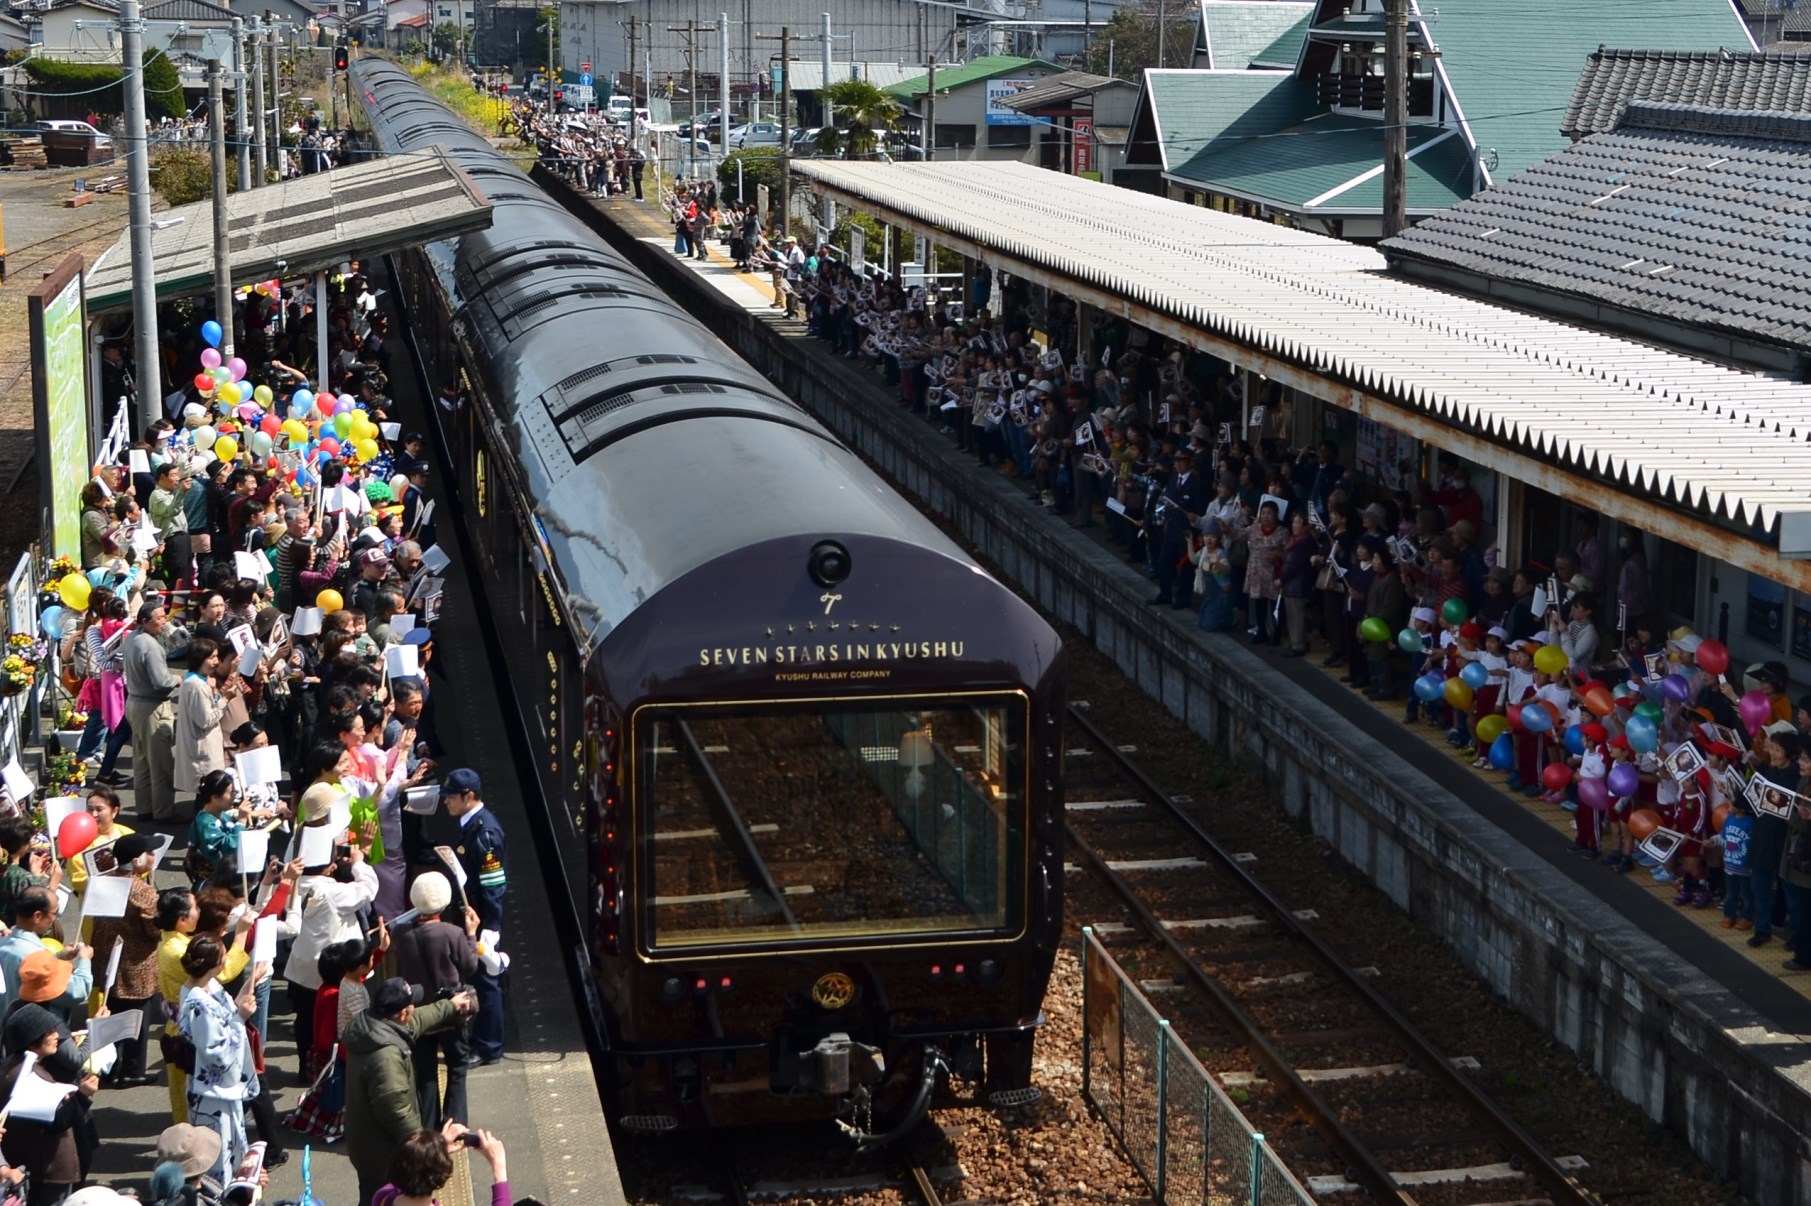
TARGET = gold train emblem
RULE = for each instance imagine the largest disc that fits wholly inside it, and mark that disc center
(833, 990)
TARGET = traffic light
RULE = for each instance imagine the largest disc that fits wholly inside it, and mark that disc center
(342, 58)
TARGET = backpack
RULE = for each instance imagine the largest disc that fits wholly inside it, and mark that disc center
(81, 661)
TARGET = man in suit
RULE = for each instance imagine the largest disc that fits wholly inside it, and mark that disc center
(1185, 498)
(482, 852)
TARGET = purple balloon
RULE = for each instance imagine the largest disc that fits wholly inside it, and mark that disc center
(1624, 780)
(1756, 710)
(1593, 793)
(1676, 687)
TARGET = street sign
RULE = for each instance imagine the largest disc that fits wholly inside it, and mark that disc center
(586, 67)
(585, 78)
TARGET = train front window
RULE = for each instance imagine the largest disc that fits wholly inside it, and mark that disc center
(781, 823)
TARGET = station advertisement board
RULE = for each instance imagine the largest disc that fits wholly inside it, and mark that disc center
(59, 368)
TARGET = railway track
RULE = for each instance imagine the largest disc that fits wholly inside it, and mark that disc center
(742, 1183)
(1351, 1095)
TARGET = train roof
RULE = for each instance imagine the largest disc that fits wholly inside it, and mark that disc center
(646, 446)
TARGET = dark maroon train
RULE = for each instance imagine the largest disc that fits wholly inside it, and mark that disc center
(802, 755)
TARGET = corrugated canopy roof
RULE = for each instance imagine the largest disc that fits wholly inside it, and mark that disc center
(1727, 445)
(305, 224)
(984, 68)
(1061, 89)
(809, 77)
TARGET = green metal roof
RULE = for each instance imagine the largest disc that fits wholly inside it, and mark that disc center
(1330, 163)
(984, 68)
(1513, 65)
(1196, 108)
(1235, 34)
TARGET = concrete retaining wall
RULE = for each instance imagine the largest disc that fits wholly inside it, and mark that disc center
(1684, 1050)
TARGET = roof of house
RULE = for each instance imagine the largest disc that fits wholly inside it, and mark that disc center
(975, 70)
(1708, 79)
(188, 10)
(809, 77)
(1062, 89)
(1239, 34)
(1695, 214)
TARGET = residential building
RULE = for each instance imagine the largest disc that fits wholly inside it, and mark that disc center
(1082, 121)
(972, 120)
(1234, 35)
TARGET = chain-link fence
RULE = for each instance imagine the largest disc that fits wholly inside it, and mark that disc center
(1177, 1126)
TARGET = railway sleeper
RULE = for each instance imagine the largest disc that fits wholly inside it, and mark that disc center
(1322, 1075)
(1476, 1174)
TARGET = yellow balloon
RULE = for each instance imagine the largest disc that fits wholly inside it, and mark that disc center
(329, 601)
(363, 429)
(1550, 659)
(296, 431)
(226, 448)
(228, 393)
(367, 449)
(74, 590)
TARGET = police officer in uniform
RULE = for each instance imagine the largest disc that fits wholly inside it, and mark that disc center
(1184, 499)
(482, 850)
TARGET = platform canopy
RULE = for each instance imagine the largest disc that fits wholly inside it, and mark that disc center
(300, 226)
(1702, 454)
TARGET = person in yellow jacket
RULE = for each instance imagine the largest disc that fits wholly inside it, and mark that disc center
(177, 914)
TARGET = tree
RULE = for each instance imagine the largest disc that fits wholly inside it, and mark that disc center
(448, 36)
(760, 165)
(97, 84)
(1132, 34)
(863, 113)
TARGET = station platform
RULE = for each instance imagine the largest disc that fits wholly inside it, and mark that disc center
(1704, 1034)
(541, 1099)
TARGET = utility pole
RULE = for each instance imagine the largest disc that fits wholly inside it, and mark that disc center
(138, 175)
(255, 69)
(1162, 24)
(632, 28)
(552, 63)
(930, 112)
(241, 130)
(785, 41)
(723, 81)
(823, 89)
(276, 92)
(1395, 117)
(223, 262)
(690, 31)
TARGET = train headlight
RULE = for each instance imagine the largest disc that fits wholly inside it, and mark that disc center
(829, 563)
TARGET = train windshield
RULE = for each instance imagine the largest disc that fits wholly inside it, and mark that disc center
(788, 822)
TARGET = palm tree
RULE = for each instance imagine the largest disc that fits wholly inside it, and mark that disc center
(863, 111)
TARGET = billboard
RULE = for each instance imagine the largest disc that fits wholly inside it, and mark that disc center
(59, 391)
(1084, 145)
(1000, 115)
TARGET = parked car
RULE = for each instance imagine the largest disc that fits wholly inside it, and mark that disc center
(755, 134)
(706, 124)
(76, 127)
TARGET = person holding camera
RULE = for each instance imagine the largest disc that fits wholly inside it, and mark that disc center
(442, 957)
(381, 1108)
(423, 1164)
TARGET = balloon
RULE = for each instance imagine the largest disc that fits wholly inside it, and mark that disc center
(1475, 675)
(1622, 691)
(1555, 776)
(204, 383)
(1624, 779)
(74, 590)
(1374, 629)
(367, 450)
(1536, 719)
(295, 432)
(363, 428)
(329, 601)
(1453, 611)
(330, 446)
(263, 396)
(1513, 716)
(210, 359)
(1490, 728)
(1502, 751)
(1644, 821)
(1713, 656)
(342, 425)
(270, 425)
(297, 411)
(51, 623)
(1598, 700)
(210, 334)
(75, 834)
(1676, 687)
(226, 448)
(1594, 794)
(1643, 734)
(302, 399)
(1718, 815)
(1550, 659)
(1574, 739)
(1428, 687)
(1756, 710)
(260, 443)
(236, 367)
(1650, 710)
(342, 406)
(248, 411)
(1409, 641)
(220, 375)
(205, 436)
(1458, 693)
(228, 393)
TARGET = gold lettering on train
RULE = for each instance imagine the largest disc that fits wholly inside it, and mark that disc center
(814, 654)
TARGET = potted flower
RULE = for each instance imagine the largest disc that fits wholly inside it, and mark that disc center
(61, 568)
(63, 774)
(71, 723)
(16, 674)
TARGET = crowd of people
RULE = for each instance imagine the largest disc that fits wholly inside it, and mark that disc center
(589, 150)
(252, 618)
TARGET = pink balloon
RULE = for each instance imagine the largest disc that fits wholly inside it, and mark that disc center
(1756, 709)
(249, 411)
(210, 358)
(236, 367)
(1593, 793)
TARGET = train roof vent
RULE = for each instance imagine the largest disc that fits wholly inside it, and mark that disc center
(614, 402)
(692, 387)
(521, 315)
(582, 376)
(666, 358)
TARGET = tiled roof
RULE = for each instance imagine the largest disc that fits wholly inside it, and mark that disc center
(1061, 89)
(1706, 79)
(1236, 34)
(1700, 216)
(188, 10)
(984, 68)
(1513, 63)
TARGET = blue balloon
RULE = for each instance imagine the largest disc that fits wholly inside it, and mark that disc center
(1474, 675)
(1575, 739)
(303, 398)
(1429, 688)
(1502, 752)
(210, 331)
(1536, 719)
(51, 622)
(1643, 734)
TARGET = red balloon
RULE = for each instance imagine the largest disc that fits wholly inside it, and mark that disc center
(1513, 713)
(270, 425)
(1555, 776)
(1713, 656)
(204, 383)
(75, 834)
(1642, 822)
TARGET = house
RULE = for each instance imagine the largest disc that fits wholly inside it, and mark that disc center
(191, 32)
(76, 30)
(13, 34)
(1234, 35)
(1082, 121)
(1487, 82)
(1649, 224)
(971, 120)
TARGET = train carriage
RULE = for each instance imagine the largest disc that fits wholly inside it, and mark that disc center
(800, 755)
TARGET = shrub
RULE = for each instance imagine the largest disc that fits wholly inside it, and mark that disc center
(99, 84)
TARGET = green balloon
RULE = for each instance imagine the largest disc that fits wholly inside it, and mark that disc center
(1409, 641)
(1374, 629)
(1650, 709)
(1453, 611)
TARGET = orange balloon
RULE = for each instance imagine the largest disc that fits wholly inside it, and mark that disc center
(1600, 701)
(329, 601)
(1642, 822)
(1718, 816)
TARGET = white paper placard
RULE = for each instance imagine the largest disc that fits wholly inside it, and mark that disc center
(266, 569)
(254, 851)
(259, 766)
(34, 1098)
(241, 637)
(435, 560)
(390, 431)
(402, 661)
(402, 624)
(264, 941)
(59, 809)
(422, 801)
(453, 864)
(107, 896)
(144, 538)
(247, 567)
(18, 784)
(138, 460)
(103, 1032)
(250, 658)
(112, 977)
(317, 844)
(307, 621)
